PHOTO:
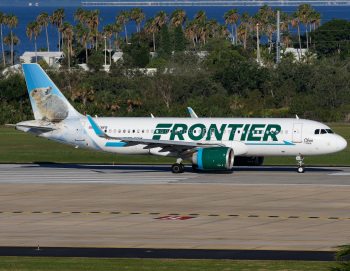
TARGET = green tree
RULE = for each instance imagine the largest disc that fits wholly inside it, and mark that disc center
(151, 28)
(332, 37)
(179, 39)
(12, 21)
(11, 40)
(178, 17)
(56, 20)
(122, 18)
(3, 21)
(34, 29)
(108, 33)
(232, 18)
(43, 20)
(165, 47)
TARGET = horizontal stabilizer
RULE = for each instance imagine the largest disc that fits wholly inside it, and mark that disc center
(41, 128)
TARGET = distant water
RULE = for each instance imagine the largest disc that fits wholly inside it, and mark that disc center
(28, 14)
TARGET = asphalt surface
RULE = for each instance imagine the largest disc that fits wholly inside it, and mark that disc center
(168, 253)
(137, 211)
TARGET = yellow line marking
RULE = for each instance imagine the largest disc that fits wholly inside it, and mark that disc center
(173, 214)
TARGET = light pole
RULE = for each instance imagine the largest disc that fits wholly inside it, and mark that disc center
(257, 43)
(105, 52)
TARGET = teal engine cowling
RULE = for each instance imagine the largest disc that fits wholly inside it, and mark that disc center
(213, 158)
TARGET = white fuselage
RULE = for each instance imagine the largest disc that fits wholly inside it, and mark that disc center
(247, 136)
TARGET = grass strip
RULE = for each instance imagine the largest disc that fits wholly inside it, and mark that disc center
(52, 263)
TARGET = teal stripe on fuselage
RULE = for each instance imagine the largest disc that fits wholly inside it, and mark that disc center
(271, 144)
(115, 144)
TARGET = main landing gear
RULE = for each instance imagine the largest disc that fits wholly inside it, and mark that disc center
(301, 168)
(178, 167)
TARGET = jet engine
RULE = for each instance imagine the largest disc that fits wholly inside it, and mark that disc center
(213, 158)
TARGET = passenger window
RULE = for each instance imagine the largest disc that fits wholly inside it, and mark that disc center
(133, 131)
(152, 131)
(143, 131)
(128, 131)
(119, 131)
(138, 131)
(317, 131)
(147, 131)
(124, 131)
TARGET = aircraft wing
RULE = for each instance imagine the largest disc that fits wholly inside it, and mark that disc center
(167, 145)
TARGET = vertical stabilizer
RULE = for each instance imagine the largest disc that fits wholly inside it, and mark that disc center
(47, 101)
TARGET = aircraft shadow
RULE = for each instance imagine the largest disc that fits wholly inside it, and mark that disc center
(188, 168)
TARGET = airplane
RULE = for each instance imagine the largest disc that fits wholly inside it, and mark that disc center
(208, 143)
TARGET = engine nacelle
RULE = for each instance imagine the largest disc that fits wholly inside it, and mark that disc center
(249, 161)
(213, 158)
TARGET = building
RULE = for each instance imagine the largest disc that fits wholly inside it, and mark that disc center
(296, 52)
(53, 59)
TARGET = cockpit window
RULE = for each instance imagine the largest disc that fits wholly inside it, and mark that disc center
(323, 131)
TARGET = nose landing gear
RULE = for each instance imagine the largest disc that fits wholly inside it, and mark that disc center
(301, 168)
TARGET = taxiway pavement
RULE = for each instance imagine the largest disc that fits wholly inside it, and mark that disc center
(262, 208)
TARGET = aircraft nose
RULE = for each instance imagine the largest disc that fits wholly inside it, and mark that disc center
(341, 143)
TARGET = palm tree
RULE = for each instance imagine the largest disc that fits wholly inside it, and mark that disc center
(108, 33)
(213, 26)
(3, 21)
(161, 18)
(223, 31)
(122, 18)
(67, 34)
(304, 11)
(43, 20)
(178, 17)
(34, 28)
(83, 34)
(232, 17)
(151, 28)
(10, 40)
(95, 22)
(12, 21)
(116, 28)
(286, 38)
(296, 23)
(80, 15)
(199, 25)
(56, 20)
(190, 31)
(245, 20)
(138, 16)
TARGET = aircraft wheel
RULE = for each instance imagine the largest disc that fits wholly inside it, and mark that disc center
(301, 169)
(177, 168)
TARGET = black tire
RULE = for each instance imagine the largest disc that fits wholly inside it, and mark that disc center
(176, 168)
(301, 169)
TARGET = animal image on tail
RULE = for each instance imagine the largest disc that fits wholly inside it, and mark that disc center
(50, 106)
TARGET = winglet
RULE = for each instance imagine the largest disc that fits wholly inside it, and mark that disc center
(192, 113)
(96, 128)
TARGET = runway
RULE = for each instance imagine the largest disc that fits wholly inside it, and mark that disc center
(262, 208)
